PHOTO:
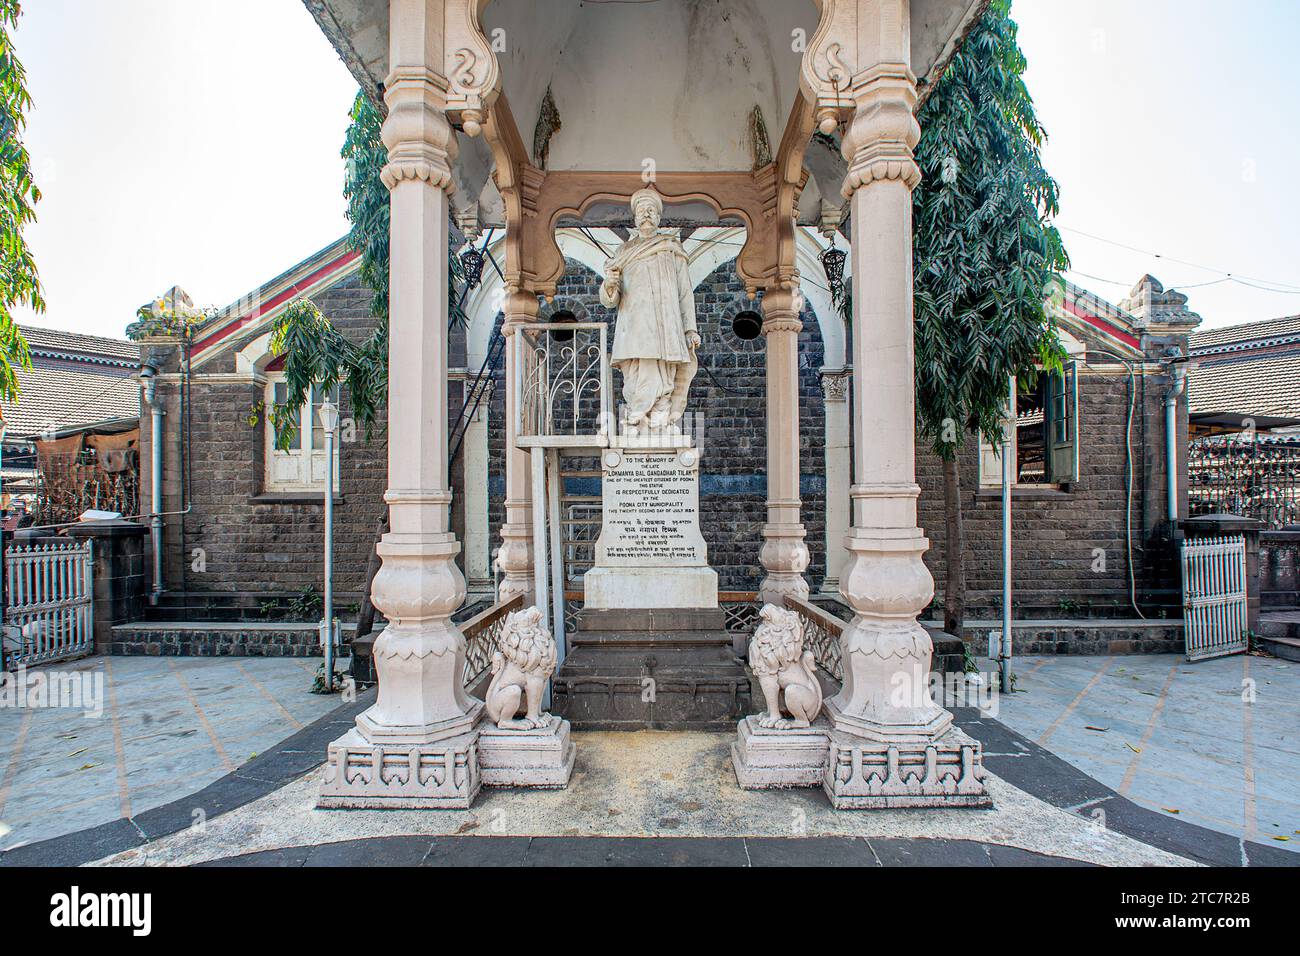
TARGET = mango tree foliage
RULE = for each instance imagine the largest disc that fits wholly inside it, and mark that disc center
(985, 255)
(19, 283)
(317, 352)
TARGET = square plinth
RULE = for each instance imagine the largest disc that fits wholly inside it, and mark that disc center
(766, 758)
(439, 775)
(660, 587)
(527, 758)
(868, 774)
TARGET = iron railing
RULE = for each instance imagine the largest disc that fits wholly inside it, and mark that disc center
(564, 386)
(482, 638)
(1255, 477)
(821, 635)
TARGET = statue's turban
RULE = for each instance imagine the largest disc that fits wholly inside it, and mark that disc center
(649, 194)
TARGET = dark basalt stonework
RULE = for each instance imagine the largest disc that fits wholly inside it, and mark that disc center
(651, 670)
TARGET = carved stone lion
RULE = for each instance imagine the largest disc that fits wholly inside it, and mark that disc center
(525, 659)
(786, 672)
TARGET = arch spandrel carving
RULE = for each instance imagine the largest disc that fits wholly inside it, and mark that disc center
(749, 198)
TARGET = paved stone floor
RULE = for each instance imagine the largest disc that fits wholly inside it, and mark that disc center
(167, 727)
(1215, 743)
(133, 781)
(632, 786)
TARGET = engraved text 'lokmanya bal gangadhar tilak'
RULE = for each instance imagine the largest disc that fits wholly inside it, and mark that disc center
(655, 336)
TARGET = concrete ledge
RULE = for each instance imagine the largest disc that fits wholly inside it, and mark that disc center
(1081, 636)
(218, 639)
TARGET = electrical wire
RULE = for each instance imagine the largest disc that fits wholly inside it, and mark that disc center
(1282, 288)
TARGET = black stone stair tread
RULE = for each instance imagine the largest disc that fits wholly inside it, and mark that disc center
(651, 619)
(646, 638)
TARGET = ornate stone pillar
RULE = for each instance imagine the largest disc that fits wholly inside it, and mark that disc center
(516, 555)
(886, 726)
(839, 473)
(784, 554)
(884, 580)
(417, 746)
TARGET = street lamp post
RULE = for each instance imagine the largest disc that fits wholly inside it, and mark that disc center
(329, 420)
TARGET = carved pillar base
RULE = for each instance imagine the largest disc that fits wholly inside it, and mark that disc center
(364, 775)
(885, 652)
(785, 559)
(891, 745)
(516, 556)
(865, 775)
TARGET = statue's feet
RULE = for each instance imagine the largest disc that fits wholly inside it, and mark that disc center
(521, 724)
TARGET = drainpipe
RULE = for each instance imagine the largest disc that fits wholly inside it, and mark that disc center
(1175, 392)
(1008, 479)
(149, 377)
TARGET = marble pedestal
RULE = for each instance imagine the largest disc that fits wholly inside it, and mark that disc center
(442, 774)
(541, 758)
(864, 774)
(764, 758)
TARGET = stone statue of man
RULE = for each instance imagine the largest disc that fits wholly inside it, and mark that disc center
(655, 336)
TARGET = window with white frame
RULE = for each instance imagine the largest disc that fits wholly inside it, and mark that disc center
(302, 466)
(1044, 424)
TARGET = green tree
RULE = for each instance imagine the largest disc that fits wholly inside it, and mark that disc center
(985, 258)
(316, 352)
(19, 283)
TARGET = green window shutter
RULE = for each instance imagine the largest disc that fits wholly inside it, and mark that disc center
(1063, 423)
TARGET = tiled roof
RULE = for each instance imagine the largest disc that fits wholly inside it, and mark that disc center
(75, 344)
(1261, 385)
(74, 380)
(1247, 332)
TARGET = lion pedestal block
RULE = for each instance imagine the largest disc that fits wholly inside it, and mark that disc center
(771, 758)
(864, 774)
(542, 757)
(441, 775)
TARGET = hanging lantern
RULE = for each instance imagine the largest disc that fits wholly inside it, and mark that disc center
(833, 262)
(471, 261)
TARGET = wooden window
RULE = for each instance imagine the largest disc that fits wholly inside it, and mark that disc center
(1045, 433)
(302, 466)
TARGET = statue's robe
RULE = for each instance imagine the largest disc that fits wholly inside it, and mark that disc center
(656, 311)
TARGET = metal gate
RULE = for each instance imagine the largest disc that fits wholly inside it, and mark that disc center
(48, 614)
(1214, 596)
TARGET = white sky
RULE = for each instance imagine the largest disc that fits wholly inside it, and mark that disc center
(196, 142)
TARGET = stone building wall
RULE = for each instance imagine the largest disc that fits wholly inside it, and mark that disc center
(1070, 546)
(255, 542)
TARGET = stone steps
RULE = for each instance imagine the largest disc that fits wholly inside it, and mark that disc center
(1279, 634)
(642, 669)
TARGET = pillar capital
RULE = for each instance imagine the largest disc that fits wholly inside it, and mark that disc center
(883, 132)
(782, 309)
(835, 385)
(421, 143)
(519, 308)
